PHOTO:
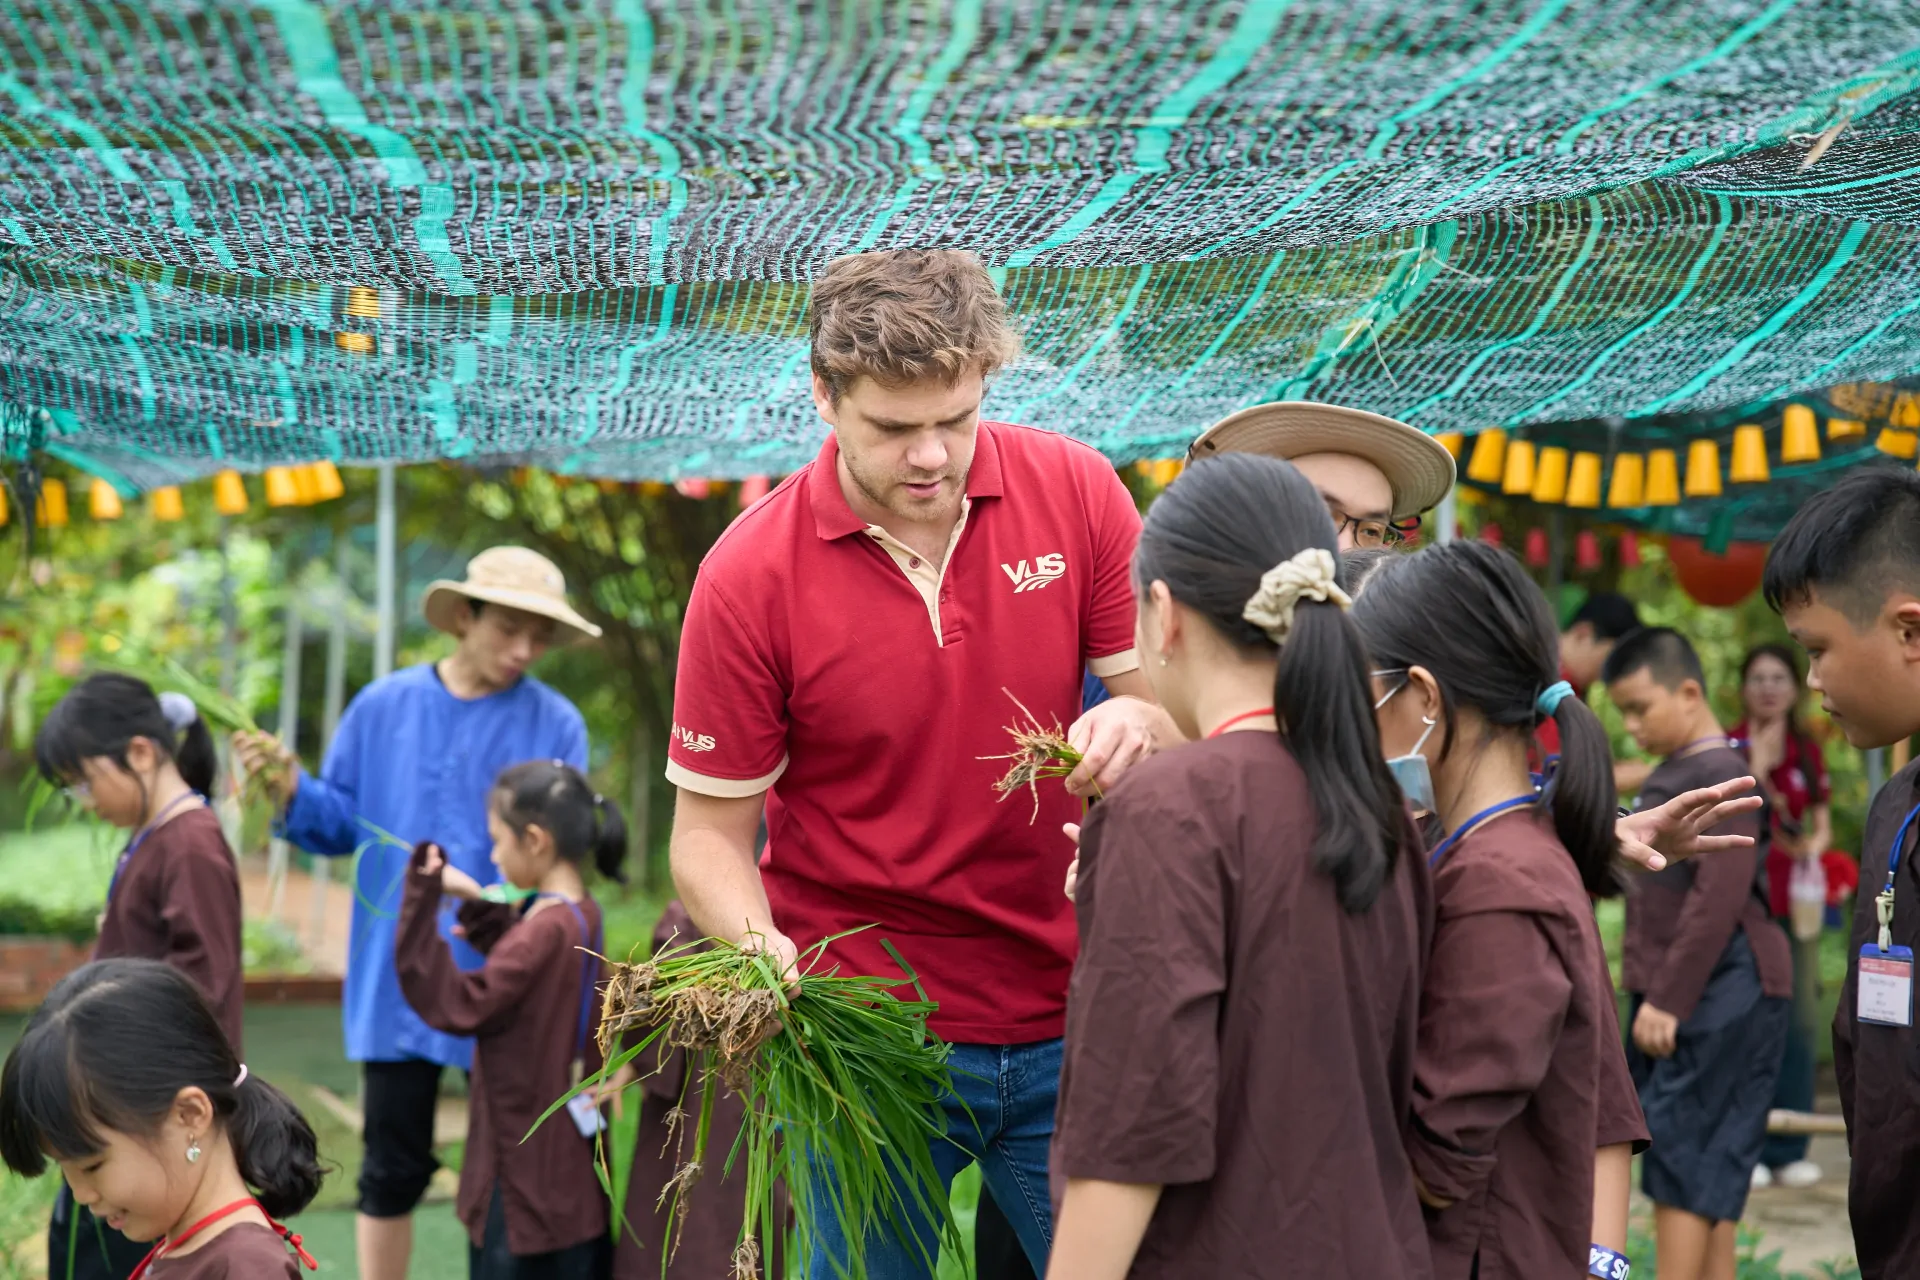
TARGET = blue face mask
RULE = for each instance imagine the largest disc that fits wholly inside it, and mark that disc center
(1411, 770)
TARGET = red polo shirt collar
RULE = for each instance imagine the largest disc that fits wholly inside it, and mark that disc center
(834, 518)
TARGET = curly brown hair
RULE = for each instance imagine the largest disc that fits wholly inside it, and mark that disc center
(902, 315)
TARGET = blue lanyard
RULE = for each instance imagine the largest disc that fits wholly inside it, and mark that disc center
(591, 942)
(1445, 847)
(140, 838)
(1899, 838)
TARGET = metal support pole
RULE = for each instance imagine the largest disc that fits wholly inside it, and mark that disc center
(331, 707)
(384, 576)
(1444, 517)
(1556, 555)
(277, 849)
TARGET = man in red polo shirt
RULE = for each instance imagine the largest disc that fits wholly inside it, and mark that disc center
(849, 663)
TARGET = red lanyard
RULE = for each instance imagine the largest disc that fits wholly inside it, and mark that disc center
(167, 1245)
(1242, 718)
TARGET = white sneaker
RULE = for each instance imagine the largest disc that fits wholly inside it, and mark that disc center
(1762, 1176)
(1798, 1175)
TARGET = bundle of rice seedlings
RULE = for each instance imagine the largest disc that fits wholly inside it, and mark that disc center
(1038, 752)
(841, 1079)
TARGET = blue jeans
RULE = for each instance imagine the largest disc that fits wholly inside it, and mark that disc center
(1010, 1090)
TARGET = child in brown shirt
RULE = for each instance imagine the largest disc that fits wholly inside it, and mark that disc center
(1709, 971)
(125, 1080)
(145, 763)
(1845, 574)
(531, 1201)
(1519, 1073)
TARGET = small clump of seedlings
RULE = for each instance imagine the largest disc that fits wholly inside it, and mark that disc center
(837, 1073)
(1038, 752)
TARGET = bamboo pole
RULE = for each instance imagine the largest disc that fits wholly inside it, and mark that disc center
(1805, 1122)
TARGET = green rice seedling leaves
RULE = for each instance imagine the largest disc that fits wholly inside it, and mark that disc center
(842, 1083)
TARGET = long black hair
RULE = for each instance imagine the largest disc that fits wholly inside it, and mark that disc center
(556, 797)
(102, 714)
(112, 1048)
(1211, 537)
(1469, 614)
(1784, 656)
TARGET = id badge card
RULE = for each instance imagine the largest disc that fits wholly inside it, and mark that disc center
(586, 1116)
(1886, 985)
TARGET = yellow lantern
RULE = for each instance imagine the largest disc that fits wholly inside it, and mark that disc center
(1799, 436)
(166, 505)
(327, 484)
(1452, 442)
(359, 344)
(103, 502)
(1489, 460)
(1749, 455)
(1166, 471)
(1550, 475)
(304, 486)
(1629, 486)
(1519, 471)
(229, 494)
(363, 302)
(653, 488)
(1703, 469)
(1906, 411)
(50, 509)
(1583, 486)
(5, 514)
(1144, 468)
(1845, 428)
(282, 489)
(1663, 479)
(1896, 443)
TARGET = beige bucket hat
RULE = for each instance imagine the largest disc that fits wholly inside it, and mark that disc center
(514, 578)
(1418, 468)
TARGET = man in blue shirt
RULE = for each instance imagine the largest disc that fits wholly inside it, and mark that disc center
(415, 758)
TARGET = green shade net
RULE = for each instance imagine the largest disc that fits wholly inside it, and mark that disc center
(586, 227)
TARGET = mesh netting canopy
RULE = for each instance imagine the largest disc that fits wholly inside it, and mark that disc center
(578, 233)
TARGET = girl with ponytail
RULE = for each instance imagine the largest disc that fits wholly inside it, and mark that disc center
(145, 763)
(1252, 911)
(125, 1080)
(532, 1010)
(1525, 1115)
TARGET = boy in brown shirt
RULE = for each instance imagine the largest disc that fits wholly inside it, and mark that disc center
(1845, 574)
(1709, 971)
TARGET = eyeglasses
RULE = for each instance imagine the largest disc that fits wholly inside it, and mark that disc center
(1369, 534)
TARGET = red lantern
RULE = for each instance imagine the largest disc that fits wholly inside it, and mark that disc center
(752, 489)
(1537, 552)
(1586, 551)
(1629, 551)
(693, 488)
(1719, 582)
(1490, 534)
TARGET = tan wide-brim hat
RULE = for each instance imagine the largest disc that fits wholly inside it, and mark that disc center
(514, 578)
(1418, 468)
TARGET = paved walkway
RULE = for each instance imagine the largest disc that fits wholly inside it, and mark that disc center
(320, 914)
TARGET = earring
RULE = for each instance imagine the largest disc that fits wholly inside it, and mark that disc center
(193, 1150)
(1163, 659)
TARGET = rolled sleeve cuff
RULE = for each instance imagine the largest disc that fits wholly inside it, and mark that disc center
(721, 788)
(1450, 1174)
(1117, 664)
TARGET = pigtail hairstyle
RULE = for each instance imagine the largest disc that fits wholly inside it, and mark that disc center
(112, 1048)
(557, 797)
(1211, 537)
(1469, 614)
(103, 713)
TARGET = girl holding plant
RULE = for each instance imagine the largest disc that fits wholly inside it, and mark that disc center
(145, 763)
(1253, 911)
(1520, 1074)
(532, 1208)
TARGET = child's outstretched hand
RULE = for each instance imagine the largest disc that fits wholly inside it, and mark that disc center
(1676, 830)
(456, 883)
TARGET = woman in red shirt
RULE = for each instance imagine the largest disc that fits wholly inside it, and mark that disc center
(1793, 774)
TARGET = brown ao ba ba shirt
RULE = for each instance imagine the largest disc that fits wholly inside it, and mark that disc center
(249, 1251)
(1234, 1034)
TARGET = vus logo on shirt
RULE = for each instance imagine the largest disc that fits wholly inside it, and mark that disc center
(691, 741)
(1048, 568)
